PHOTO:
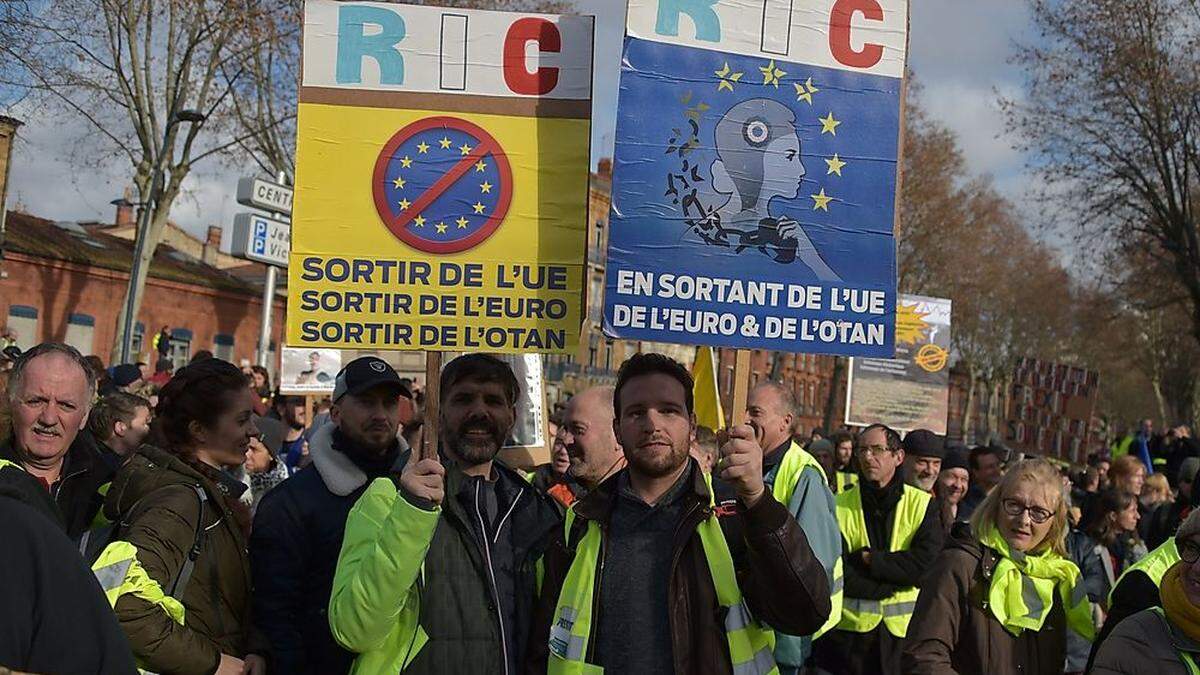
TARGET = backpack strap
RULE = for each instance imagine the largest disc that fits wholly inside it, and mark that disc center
(189, 563)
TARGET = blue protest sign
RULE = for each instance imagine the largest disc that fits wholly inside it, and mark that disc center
(755, 175)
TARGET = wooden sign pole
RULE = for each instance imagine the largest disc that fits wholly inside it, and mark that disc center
(429, 428)
(308, 408)
(741, 386)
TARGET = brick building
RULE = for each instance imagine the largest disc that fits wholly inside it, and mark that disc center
(66, 281)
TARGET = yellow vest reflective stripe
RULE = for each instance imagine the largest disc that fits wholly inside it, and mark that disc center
(751, 645)
(895, 611)
(5, 462)
(787, 476)
(1154, 565)
(119, 573)
(844, 481)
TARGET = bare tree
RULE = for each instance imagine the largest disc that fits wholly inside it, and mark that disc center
(128, 68)
(1111, 119)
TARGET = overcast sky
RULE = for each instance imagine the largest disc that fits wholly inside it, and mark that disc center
(959, 51)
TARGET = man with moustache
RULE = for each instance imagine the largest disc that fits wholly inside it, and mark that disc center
(923, 455)
(438, 568)
(50, 392)
(649, 574)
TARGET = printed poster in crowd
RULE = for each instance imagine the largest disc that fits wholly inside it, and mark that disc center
(309, 371)
(530, 428)
(755, 175)
(1050, 409)
(441, 179)
(912, 390)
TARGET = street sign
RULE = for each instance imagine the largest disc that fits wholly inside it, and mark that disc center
(261, 238)
(264, 195)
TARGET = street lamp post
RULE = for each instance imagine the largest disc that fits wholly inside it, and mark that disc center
(143, 225)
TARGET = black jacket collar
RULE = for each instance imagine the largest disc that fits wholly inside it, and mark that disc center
(598, 504)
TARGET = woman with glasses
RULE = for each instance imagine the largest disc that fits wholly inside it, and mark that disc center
(1002, 595)
(1114, 527)
(1162, 640)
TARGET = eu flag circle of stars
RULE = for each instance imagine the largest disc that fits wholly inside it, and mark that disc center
(442, 185)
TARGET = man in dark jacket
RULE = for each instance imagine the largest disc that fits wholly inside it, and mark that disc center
(299, 525)
(881, 574)
(51, 390)
(56, 618)
(437, 570)
(651, 576)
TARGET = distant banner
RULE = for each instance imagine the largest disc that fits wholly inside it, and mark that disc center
(1050, 409)
(309, 371)
(442, 172)
(912, 390)
(755, 174)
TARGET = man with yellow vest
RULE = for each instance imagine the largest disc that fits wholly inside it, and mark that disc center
(1137, 588)
(798, 482)
(891, 534)
(651, 574)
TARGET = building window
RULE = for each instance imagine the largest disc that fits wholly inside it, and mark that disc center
(181, 347)
(139, 339)
(596, 299)
(593, 347)
(223, 347)
(608, 350)
(23, 324)
(80, 330)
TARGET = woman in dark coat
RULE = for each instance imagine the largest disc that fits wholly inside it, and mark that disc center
(1000, 597)
(202, 425)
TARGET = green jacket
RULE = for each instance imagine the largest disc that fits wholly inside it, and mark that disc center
(217, 598)
(413, 587)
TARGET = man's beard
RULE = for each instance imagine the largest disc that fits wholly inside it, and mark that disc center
(657, 465)
(475, 451)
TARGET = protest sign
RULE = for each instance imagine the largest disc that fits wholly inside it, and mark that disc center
(912, 390)
(755, 175)
(308, 371)
(1050, 409)
(442, 171)
(530, 427)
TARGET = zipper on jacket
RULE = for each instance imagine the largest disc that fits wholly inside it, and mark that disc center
(591, 655)
(487, 555)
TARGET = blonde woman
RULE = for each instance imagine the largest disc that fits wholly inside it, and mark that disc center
(1155, 491)
(1001, 596)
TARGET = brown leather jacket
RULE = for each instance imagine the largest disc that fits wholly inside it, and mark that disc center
(783, 582)
(952, 631)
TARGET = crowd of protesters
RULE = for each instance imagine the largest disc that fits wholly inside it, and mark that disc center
(195, 521)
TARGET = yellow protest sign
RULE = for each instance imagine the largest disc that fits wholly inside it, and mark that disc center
(441, 201)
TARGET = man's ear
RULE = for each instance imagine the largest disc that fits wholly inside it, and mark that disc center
(120, 428)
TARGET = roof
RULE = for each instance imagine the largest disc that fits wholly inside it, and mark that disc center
(74, 243)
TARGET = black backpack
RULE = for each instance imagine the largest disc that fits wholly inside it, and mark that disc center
(94, 541)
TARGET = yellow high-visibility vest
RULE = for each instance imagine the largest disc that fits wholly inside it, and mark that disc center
(751, 645)
(1154, 565)
(895, 611)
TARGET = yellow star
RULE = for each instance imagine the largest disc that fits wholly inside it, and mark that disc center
(422, 147)
(480, 165)
(420, 221)
(727, 77)
(405, 161)
(771, 74)
(462, 223)
(441, 227)
(478, 207)
(485, 187)
(821, 201)
(835, 165)
(404, 204)
(828, 124)
(445, 143)
(464, 149)
(398, 182)
(805, 91)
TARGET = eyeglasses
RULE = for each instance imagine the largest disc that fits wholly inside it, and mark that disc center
(1015, 508)
(1189, 552)
(877, 450)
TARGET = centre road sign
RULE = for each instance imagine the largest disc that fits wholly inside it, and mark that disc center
(260, 238)
(265, 195)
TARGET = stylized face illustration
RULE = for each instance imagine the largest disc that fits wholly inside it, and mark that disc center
(758, 154)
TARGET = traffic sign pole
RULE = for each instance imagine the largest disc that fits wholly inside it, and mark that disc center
(264, 339)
